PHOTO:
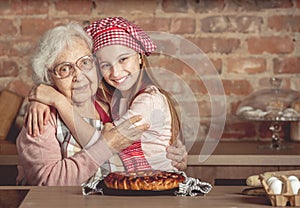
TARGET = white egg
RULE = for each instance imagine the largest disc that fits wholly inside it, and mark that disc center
(271, 179)
(291, 178)
(276, 186)
(295, 186)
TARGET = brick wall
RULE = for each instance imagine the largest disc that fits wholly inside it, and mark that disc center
(247, 41)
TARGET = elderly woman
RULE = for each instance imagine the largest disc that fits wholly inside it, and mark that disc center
(65, 65)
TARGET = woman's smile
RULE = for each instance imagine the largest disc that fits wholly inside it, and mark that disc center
(81, 88)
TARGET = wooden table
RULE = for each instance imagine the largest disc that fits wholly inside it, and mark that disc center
(220, 196)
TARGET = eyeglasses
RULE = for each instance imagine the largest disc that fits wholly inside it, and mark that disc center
(65, 69)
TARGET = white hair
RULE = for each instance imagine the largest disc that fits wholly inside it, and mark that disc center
(51, 45)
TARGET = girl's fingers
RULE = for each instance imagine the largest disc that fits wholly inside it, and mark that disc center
(175, 157)
(134, 119)
(29, 123)
(34, 124)
(40, 124)
(47, 116)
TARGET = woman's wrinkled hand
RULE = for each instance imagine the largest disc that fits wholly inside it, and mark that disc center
(178, 154)
(121, 136)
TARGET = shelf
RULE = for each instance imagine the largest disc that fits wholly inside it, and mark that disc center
(247, 154)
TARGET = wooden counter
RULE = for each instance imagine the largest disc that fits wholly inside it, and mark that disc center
(220, 196)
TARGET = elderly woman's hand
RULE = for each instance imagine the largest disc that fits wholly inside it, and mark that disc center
(178, 155)
(123, 135)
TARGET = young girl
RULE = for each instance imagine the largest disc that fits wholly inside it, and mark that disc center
(130, 89)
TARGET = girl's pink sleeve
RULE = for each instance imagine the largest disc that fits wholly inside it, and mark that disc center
(43, 164)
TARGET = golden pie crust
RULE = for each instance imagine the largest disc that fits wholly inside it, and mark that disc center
(144, 180)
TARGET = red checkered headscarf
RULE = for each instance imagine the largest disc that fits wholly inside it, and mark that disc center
(119, 31)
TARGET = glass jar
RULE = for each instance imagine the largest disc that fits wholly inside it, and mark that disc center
(274, 104)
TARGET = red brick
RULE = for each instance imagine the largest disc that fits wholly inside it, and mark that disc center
(203, 108)
(246, 65)
(258, 5)
(5, 47)
(166, 81)
(202, 67)
(8, 69)
(289, 65)
(197, 86)
(284, 23)
(75, 6)
(217, 64)
(170, 64)
(19, 47)
(23, 47)
(125, 8)
(205, 6)
(298, 4)
(271, 4)
(154, 24)
(243, 24)
(273, 45)
(237, 87)
(215, 45)
(35, 27)
(214, 85)
(165, 46)
(7, 27)
(23, 7)
(175, 6)
(5, 7)
(183, 26)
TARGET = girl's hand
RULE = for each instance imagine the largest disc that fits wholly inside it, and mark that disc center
(37, 115)
(45, 94)
(38, 110)
(123, 135)
(178, 155)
